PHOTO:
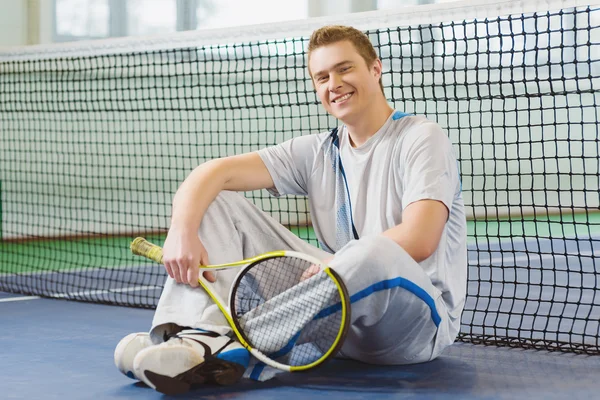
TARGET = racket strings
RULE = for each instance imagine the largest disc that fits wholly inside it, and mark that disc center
(291, 319)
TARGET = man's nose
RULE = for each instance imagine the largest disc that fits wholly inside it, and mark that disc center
(334, 82)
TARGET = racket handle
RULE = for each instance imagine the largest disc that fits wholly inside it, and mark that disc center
(142, 247)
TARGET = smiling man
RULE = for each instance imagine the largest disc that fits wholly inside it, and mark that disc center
(386, 206)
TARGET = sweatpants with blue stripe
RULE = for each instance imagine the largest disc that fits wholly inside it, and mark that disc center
(398, 316)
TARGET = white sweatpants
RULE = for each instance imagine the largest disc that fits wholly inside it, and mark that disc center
(398, 316)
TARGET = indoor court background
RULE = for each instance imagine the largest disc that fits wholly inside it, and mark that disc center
(96, 136)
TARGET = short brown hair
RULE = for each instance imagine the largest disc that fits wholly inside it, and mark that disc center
(337, 33)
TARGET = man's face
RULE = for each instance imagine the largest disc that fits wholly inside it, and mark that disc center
(345, 84)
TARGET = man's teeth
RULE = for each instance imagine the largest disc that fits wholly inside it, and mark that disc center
(344, 97)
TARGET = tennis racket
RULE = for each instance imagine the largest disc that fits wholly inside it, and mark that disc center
(286, 320)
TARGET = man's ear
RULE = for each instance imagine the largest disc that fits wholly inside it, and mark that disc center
(377, 68)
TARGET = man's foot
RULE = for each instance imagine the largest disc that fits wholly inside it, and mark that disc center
(127, 349)
(191, 357)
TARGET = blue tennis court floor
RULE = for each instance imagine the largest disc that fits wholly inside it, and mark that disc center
(55, 349)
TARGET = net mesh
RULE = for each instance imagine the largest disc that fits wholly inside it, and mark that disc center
(93, 145)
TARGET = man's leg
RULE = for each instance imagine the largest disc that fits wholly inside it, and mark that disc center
(398, 315)
(232, 229)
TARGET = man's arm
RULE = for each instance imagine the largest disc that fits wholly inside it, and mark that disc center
(243, 172)
(421, 229)
(183, 250)
(419, 233)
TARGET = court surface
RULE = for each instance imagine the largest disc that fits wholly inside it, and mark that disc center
(56, 349)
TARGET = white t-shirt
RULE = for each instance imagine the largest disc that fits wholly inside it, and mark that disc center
(407, 160)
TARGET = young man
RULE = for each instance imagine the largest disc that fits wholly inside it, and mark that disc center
(386, 204)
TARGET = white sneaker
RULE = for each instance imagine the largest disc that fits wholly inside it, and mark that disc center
(127, 349)
(191, 357)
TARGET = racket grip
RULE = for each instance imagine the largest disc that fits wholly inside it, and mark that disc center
(142, 247)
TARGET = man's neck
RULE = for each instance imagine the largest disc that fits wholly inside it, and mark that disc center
(364, 126)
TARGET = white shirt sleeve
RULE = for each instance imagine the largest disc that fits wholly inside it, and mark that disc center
(429, 166)
(290, 164)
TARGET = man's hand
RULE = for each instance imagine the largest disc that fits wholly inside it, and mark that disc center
(183, 252)
(314, 269)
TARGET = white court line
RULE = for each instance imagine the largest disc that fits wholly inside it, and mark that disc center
(482, 241)
(102, 291)
(58, 270)
(84, 293)
(499, 260)
(19, 298)
(531, 257)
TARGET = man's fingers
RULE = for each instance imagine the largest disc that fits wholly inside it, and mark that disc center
(176, 267)
(192, 275)
(169, 269)
(209, 276)
(310, 271)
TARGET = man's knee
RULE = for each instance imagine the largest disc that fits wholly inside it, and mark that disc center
(372, 258)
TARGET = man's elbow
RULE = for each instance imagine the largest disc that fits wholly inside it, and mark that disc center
(418, 245)
(422, 250)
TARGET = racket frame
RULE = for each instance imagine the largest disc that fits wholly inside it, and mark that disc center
(345, 304)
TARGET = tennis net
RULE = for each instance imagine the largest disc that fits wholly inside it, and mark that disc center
(96, 137)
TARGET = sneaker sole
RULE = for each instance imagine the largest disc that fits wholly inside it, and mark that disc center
(212, 371)
(124, 354)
